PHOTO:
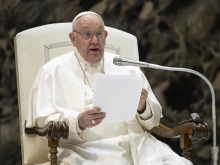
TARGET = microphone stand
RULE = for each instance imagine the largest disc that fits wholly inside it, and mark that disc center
(214, 149)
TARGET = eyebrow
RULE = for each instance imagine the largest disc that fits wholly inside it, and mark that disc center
(85, 28)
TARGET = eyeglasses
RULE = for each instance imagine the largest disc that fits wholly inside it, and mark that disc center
(87, 35)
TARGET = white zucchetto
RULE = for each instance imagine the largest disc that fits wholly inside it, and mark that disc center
(84, 13)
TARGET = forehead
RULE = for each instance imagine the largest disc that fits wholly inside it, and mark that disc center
(90, 21)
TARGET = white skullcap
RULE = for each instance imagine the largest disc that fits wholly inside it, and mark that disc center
(84, 13)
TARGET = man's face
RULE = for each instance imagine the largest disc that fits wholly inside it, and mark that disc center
(91, 50)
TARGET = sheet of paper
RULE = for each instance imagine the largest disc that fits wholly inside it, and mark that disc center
(117, 95)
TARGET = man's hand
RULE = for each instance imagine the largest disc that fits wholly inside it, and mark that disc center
(142, 102)
(90, 118)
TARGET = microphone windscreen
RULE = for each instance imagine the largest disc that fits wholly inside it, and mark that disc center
(115, 60)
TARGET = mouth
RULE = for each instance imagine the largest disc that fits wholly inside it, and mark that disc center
(94, 50)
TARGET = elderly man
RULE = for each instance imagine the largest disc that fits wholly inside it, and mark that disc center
(63, 91)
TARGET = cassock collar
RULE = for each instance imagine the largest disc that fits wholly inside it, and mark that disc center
(91, 68)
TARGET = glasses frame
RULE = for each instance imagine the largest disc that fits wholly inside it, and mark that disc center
(93, 33)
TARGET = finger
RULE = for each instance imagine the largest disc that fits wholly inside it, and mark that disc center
(141, 106)
(94, 110)
(92, 125)
(97, 115)
(143, 97)
(143, 90)
(97, 121)
(99, 118)
(144, 93)
(142, 101)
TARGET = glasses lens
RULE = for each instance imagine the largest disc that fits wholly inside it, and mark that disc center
(100, 34)
(87, 35)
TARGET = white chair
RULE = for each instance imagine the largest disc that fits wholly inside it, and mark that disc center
(33, 48)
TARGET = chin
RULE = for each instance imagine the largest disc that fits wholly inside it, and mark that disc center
(94, 59)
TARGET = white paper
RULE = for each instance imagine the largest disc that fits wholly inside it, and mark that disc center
(117, 95)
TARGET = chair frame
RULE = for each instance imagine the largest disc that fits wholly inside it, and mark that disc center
(188, 130)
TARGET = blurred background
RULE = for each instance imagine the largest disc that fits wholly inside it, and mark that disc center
(179, 33)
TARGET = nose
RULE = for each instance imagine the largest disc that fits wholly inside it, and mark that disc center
(94, 39)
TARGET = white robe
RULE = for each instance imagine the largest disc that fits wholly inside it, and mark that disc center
(60, 92)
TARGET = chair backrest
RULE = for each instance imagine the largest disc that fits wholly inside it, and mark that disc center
(33, 48)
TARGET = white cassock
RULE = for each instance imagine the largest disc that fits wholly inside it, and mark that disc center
(61, 92)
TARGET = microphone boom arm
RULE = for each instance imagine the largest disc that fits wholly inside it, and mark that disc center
(122, 61)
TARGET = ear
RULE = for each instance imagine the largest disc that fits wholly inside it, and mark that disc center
(72, 38)
(106, 33)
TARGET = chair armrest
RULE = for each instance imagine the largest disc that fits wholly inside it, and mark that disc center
(195, 128)
(54, 131)
(192, 129)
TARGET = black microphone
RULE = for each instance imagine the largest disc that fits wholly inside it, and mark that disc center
(122, 61)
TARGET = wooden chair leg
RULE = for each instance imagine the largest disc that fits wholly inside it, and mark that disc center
(186, 145)
(53, 144)
(54, 132)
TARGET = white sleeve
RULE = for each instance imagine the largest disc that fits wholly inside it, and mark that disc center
(44, 108)
(147, 112)
(153, 112)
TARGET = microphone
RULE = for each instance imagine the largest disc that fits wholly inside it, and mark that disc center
(122, 61)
